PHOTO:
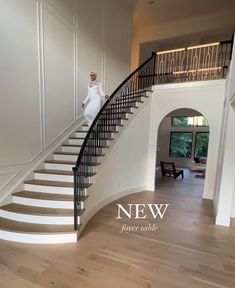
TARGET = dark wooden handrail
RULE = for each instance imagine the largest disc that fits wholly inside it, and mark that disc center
(105, 120)
(105, 105)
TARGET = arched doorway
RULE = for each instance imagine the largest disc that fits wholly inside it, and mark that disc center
(183, 139)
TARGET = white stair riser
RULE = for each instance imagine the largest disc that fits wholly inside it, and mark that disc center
(91, 169)
(38, 219)
(45, 203)
(65, 157)
(85, 128)
(75, 141)
(124, 115)
(108, 133)
(55, 166)
(51, 189)
(53, 177)
(57, 177)
(38, 238)
(48, 189)
(79, 142)
(80, 134)
(117, 129)
(127, 110)
(70, 149)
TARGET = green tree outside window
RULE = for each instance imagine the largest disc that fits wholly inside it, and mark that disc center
(201, 144)
(181, 144)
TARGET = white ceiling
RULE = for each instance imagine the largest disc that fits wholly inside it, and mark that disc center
(165, 11)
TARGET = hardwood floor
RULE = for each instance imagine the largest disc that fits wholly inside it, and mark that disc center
(186, 251)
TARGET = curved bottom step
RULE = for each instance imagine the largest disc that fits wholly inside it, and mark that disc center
(36, 233)
(35, 238)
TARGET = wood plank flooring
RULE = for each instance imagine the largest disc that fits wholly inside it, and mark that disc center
(186, 251)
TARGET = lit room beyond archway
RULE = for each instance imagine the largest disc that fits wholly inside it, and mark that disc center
(182, 149)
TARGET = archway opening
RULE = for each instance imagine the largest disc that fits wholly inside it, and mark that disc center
(182, 143)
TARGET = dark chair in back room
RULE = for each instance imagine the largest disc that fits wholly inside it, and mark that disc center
(169, 170)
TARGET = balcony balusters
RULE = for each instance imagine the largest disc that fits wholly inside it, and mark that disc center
(201, 62)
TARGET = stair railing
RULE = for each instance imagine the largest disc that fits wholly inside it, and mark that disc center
(105, 123)
(196, 63)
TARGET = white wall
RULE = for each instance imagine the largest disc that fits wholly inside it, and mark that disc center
(20, 111)
(204, 96)
(164, 142)
(227, 195)
(58, 42)
(173, 29)
(48, 48)
(226, 187)
(129, 166)
(124, 168)
(226, 199)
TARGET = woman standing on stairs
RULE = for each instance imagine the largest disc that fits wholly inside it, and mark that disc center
(94, 97)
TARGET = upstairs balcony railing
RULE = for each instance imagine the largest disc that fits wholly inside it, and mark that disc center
(201, 62)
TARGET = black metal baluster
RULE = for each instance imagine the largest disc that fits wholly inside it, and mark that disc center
(104, 124)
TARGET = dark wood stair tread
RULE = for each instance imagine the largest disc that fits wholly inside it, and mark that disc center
(39, 211)
(114, 118)
(66, 153)
(80, 138)
(100, 146)
(122, 106)
(77, 138)
(87, 174)
(108, 112)
(139, 92)
(119, 110)
(22, 227)
(90, 164)
(58, 184)
(71, 145)
(128, 101)
(95, 155)
(51, 171)
(49, 183)
(61, 162)
(61, 172)
(110, 131)
(110, 125)
(138, 96)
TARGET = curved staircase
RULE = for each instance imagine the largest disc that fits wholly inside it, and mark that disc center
(43, 211)
(50, 208)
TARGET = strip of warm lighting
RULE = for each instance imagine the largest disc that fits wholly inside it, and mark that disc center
(198, 70)
(170, 51)
(188, 48)
(204, 45)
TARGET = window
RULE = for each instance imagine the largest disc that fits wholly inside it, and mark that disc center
(189, 121)
(181, 144)
(201, 144)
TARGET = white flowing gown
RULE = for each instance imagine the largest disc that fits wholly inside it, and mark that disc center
(94, 97)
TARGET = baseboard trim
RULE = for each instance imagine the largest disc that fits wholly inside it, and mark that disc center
(207, 196)
(232, 222)
(222, 221)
